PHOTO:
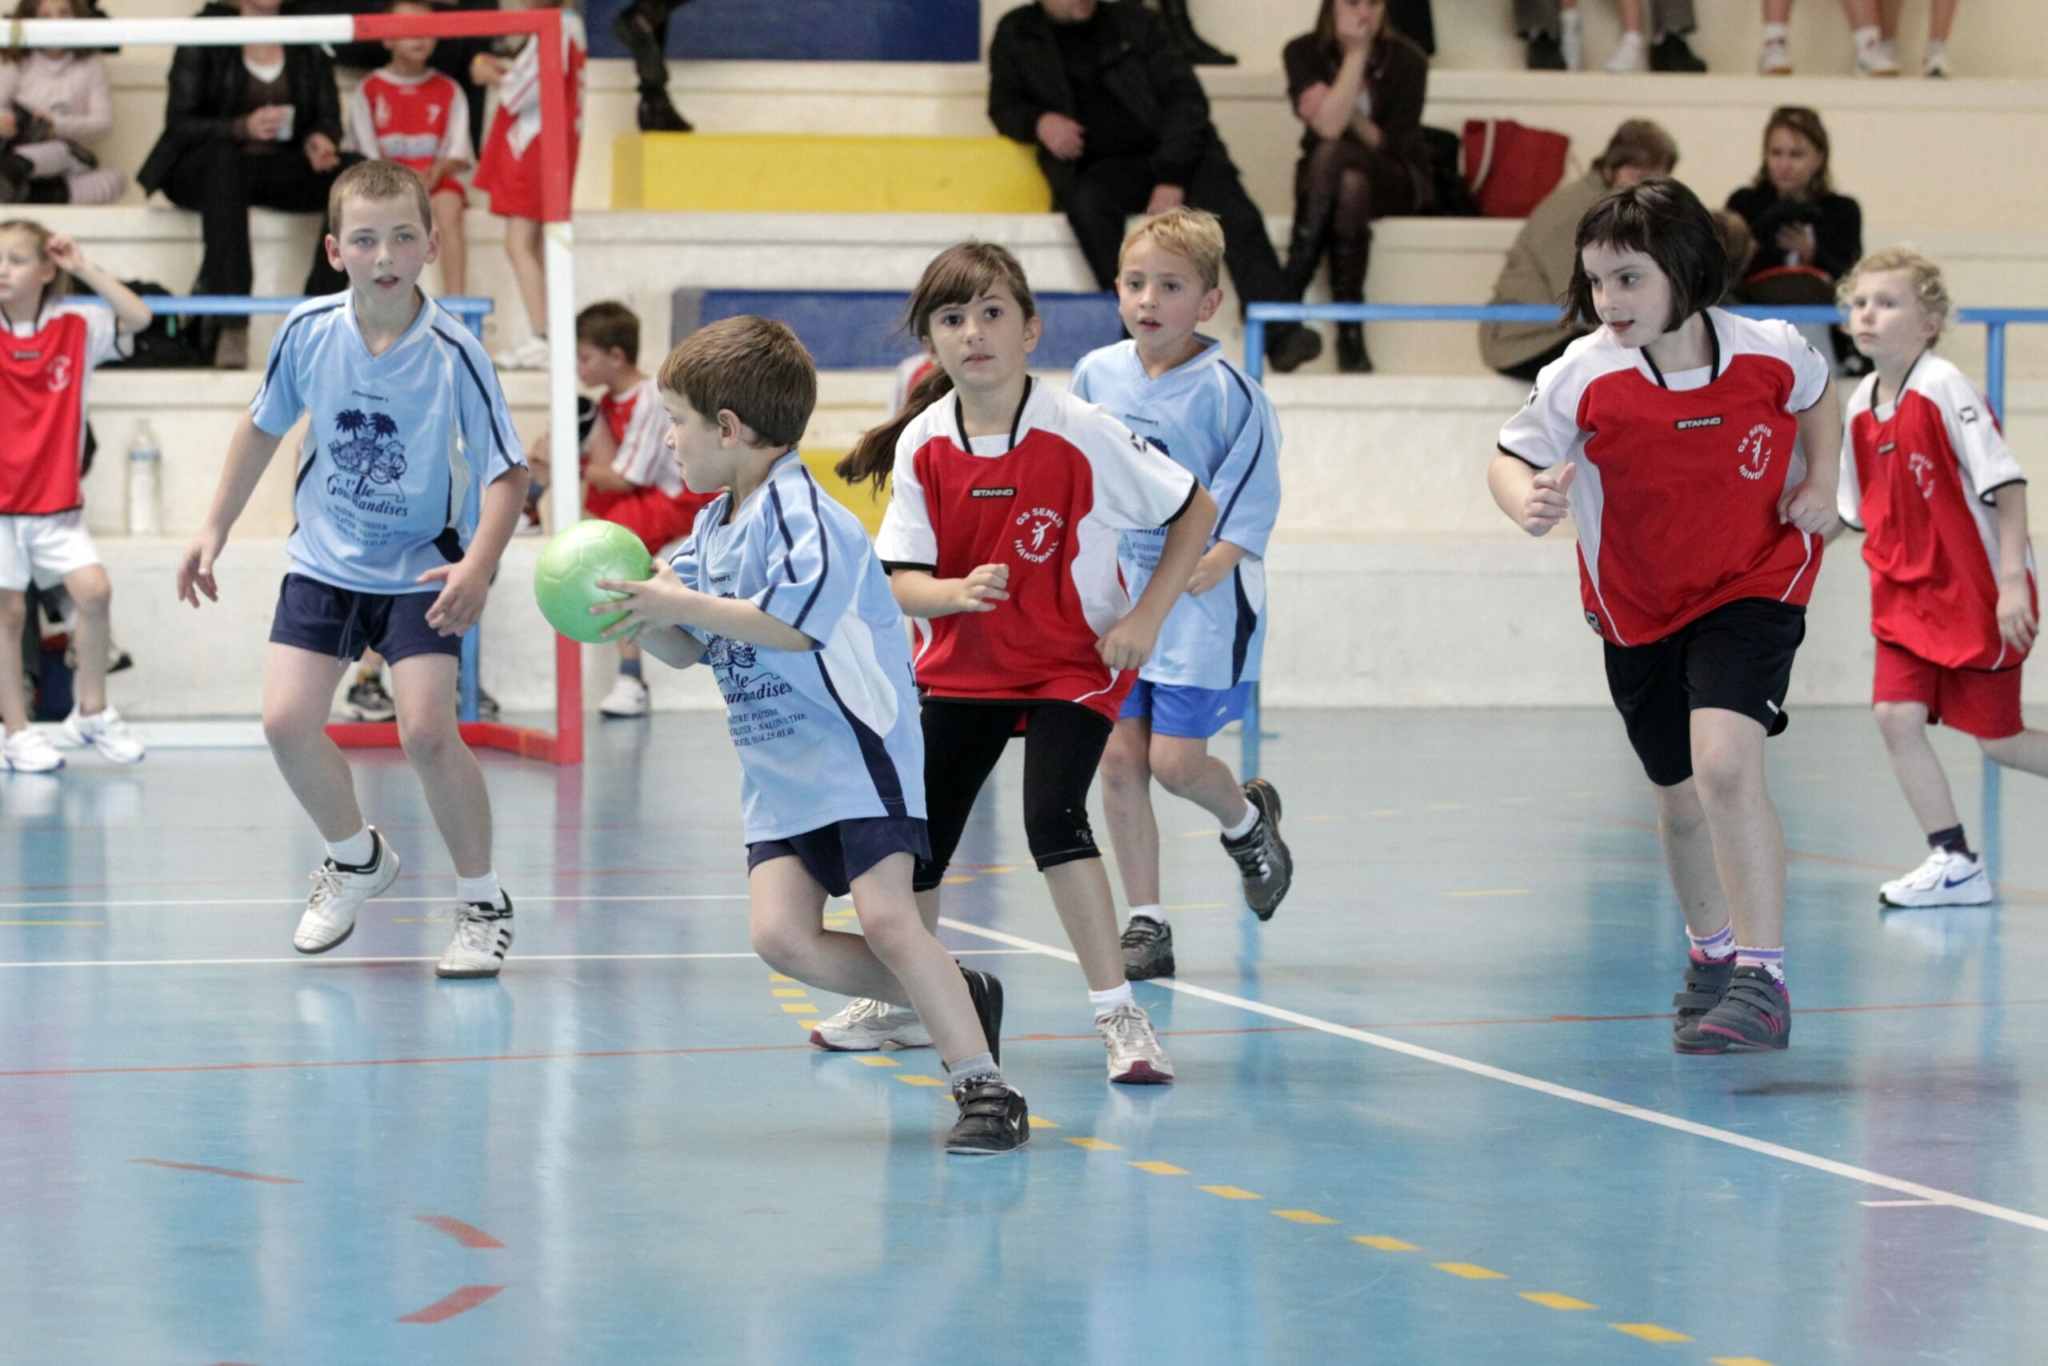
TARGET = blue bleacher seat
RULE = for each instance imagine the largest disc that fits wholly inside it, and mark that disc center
(862, 329)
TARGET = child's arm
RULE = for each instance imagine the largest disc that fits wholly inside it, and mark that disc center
(665, 600)
(1128, 644)
(1247, 483)
(921, 593)
(2016, 620)
(1215, 566)
(1811, 506)
(466, 583)
(1534, 500)
(130, 313)
(248, 454)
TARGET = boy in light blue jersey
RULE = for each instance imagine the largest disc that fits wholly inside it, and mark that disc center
(1174, 387)
(409, 484)
(779, 591)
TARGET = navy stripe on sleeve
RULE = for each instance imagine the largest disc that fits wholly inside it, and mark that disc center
(1223, 518)
(483, 390)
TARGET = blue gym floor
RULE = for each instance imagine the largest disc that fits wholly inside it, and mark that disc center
(1429, 1114)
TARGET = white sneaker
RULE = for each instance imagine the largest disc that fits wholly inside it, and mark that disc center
(1934, 61)
(30, 751)
(531, 354)
(1876, 59)
(1630, 56)
(1571, 39)
(1135, 1057)
(337, 895)
(1774, 58)
(628, 697)
(483, 936)
(1946, 879)
(105, 732)
(865, 1026)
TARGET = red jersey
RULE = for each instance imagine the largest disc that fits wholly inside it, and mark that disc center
(412, 120)
(1048, 500)
(1679, 476)
(1918, 475)
(42, 405)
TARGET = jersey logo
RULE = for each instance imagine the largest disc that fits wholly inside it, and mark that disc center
(991, 493)
(1887, 448)
(1689, 423)
(60, 374)
(1923, 473)
(1755, 450)
(371, 460)
(1966, 413)
(1038, 538)
(1593, 620)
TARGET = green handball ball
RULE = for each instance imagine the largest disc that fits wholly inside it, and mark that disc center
(565, 579)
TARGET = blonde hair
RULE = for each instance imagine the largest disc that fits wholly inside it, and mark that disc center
(1930, 290)
(753, 367)
(1196, 235)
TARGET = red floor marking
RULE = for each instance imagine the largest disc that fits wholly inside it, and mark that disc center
(461, 1302)
(218, 1171)
(469, 1235)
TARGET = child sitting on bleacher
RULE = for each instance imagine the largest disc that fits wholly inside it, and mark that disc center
(413, 115)
(52, 103)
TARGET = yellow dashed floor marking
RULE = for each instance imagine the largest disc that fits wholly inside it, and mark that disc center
(1384, 1244)
(1096, 1145)
(917, 1079)
(1232, 1193)
(1551, 1300)
(1160, 1168)
(1041, 1122)
(869, 1060)
(1302, 1216)
(799, 1008)
(787, 991)
(1649, 1332)
(1469, 1271)
(778, 977)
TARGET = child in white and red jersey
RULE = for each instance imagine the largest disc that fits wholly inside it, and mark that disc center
(1699, 524)
(411, 114)
(510, 172)
(1001, 543)
(52, 350)
(1929, 480)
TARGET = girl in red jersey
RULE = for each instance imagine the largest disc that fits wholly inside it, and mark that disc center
(1699, 520)
(52, 349)
(1001, 541)
(1929, 480)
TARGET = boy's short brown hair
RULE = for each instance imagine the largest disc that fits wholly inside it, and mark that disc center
(610, 326)
(377, 180)
(1195, 235)
(753, 366)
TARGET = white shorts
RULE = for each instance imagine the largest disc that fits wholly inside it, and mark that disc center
(43, 547)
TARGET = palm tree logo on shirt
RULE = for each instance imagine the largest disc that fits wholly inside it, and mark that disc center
(1038, 534)
(370, 457)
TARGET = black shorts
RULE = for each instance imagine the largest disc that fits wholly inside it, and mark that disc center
(342, 623)
(1736, 658)
(837, 854)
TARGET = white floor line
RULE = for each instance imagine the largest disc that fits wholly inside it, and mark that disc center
(516, 959)
(1615, 1107)
(598, 898)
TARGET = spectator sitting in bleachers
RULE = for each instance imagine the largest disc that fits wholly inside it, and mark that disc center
(1540, 263)
(253, 125)
(1122, 127)
(1807, 236)
(1359, 88)
(1556, 35)
(67, 106)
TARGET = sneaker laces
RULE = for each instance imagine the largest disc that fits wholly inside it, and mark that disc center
(326, 886)
(1142, 933)
(1255, 852)
(475, 927)
(1127, 1028)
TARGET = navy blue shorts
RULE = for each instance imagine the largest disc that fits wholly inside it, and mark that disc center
(342, 623)
(837, 854)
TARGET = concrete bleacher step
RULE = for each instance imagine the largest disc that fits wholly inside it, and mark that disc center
(821, 173)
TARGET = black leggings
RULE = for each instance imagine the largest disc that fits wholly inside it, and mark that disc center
(1063, 745)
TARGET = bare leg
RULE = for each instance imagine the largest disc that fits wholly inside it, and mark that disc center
(1904, 727)
(1080, 893)
(93, 595)
(1749, 843)
(1777, 12)
(1127, 810)
(1185, 768)
(523, 249)
(2027, 751)
(298, 691)
(786, 924)
(1689, 857)
(1941, 17)
(13, 695)
(423, 686)
(1862, 14)
(1631, 12)
(454, 246)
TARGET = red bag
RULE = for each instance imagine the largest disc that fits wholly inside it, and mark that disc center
(1511, 168)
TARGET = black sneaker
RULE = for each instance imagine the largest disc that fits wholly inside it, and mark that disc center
(368, 701)
(993, 1119)
(1706, 982)
(1671, 53)
(1756, 1012)
(1546, 53)
(986, 990)
(1289, 346)
(1263, 858)
(1148, 949)
(658, 114)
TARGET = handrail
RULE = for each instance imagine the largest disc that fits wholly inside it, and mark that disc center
(472, 310)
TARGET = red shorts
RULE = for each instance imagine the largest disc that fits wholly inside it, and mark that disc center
(648, 513)
(1980, 702)
(448, 184)
(510, 179)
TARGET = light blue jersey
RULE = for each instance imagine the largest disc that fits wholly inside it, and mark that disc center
(1219, 426)
(400, 448)
(828, 734)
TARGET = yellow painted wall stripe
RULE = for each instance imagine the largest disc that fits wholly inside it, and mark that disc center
(1232, 1193)
(1160, 1168)
(1470, 1272)
(1649, 1332)
(1302, 1216)
(1096, 1145)
(1552, 1300)
(1384, 1244)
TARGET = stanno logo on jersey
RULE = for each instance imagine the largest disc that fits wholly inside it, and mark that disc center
(1755, 450)
(370, 461)
(1689, 423)
(1038, 538)
(1923, 473)
(992, 493)
(1887, 448)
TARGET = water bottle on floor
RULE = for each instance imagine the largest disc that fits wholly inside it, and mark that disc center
(145, 482)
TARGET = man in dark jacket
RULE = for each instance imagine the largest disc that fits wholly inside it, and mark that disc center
(1122, 126)
(237, 135)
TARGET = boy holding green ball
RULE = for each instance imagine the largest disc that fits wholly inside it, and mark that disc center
(409, 484)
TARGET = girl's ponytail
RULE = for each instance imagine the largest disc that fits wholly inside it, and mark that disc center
(874, 455)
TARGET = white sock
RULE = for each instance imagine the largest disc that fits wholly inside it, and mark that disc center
(1154, 913)
(356, 851)
(1777, 33)
(479, 890)
(1114, 999)
(1243, 827)
(1868, 40)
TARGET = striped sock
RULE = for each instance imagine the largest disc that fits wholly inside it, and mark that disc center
(1770, 960)
(1715, 947)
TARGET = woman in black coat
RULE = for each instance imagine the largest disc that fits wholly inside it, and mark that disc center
(1807, 236)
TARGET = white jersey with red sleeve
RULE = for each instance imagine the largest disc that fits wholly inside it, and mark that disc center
(1678, 476)
(1919, 477)
(43, 375)
(415, 121)
(1048, 499)
(519, 92)
(639, 426)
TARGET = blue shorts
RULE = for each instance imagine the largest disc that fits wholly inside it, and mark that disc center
(1190, 713)
(341, 623)
(837, 854)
